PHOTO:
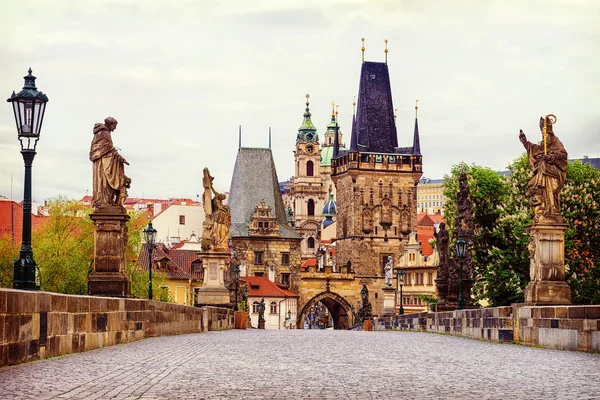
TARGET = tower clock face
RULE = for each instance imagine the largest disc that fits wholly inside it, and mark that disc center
(309, 148)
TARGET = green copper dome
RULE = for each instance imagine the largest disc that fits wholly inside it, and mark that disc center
(327, 154)
(307, 131)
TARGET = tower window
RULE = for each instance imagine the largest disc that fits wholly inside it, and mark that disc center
(311, 207)
(311, 242)
(309, 168)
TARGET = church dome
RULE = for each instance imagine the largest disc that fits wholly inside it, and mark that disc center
(330, 208)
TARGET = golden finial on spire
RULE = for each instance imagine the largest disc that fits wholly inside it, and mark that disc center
(363, 50)
(395, 113)
(307, 97)
(416, 107)
(332, 108)
(354, 106)
(336, 111)
(386, 50)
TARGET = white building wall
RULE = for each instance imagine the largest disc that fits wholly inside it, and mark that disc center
(275, 320)
(168, 226)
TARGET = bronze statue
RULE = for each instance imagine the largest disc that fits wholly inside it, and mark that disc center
(218, 218)
(548, 159)
(109, 181)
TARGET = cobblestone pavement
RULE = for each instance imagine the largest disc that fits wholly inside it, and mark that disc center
(308, 364)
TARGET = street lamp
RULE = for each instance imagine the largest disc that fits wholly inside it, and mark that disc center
(236, 277)
(150, 234)
(400, 282)
(28, 106)
(461, 251)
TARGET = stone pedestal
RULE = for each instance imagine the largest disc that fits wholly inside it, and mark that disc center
(213, 291)
(389, 301)
(241, 319)
(547, 267)
(110, 242)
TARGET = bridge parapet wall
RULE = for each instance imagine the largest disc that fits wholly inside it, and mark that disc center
(555, 327)
(37, 325)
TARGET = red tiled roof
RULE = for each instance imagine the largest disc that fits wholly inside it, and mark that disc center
(185, 258)
(11, 219)
(259, 286)
(311, 262)
(173, 270)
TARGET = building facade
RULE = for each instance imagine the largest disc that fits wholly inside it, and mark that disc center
(261, 238)
(430, 196)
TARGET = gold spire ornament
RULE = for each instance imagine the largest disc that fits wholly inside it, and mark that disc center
(363, 50)
(416, 108)
(395, 113)
(386, 50)
(307, 97)
(336, 111)
(332, 108)
(354, 106)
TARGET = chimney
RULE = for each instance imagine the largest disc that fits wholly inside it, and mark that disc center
(585, 157)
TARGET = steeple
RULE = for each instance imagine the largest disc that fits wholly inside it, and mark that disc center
(307, 131)
(330, 132)
(416, 142)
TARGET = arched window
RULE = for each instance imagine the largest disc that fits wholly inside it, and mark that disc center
(255, 307)
(273, 308)
(311, 243)
(311, 207)
(309, 168)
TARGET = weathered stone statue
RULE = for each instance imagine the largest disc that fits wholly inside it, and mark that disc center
(109, 181)
(548, 160)
(261, 314)
(465, 228)
(441, 281)
(388, 269)
(110, 186)
(216, 225)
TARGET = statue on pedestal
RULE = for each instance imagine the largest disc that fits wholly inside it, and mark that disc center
(441, 282)
(110, 186)
(109, 181)
(216, 225)
(548, 160)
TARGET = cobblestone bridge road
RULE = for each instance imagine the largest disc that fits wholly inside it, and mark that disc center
(308, 364)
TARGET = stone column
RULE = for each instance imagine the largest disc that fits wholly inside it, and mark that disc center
(389, 301)
(547, 267)
(110, 241)
(213, 291)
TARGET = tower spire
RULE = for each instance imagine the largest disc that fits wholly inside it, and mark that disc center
(307, 131)
(363, 50)
(416, 141)
(386, 50)
(269, 137)
(240, 138)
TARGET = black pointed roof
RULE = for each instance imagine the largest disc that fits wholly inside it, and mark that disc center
(255, 179)
(416, 149)
(375, 129)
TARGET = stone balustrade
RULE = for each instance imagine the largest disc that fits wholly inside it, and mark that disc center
(555, 327)
(36, 325)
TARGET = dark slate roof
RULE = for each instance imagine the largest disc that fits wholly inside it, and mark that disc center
(594, 162)
(375, 127)
(416, 149)
(255, 179)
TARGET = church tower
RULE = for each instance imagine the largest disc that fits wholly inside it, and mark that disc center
(308, 193)
(376, 183)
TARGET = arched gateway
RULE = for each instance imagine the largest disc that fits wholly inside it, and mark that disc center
(339, 308)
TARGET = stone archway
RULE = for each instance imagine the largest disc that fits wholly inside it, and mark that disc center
(339, 308)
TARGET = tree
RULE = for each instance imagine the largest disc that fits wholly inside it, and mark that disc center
(64, 247)
(502, 215)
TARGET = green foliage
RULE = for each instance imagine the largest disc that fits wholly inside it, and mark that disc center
(428, 299)
(63, 247)
(9, 251)
(502, 214)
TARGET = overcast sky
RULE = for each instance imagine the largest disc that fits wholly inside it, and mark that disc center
(180, 76)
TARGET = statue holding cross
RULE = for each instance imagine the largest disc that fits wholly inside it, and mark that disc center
(215, 235)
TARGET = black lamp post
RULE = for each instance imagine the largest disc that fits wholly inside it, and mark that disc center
(461, 251)
(400, 282)
(236, 277)
(28, 106)
(150, 234)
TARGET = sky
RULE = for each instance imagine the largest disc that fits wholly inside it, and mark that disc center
(181, 76)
